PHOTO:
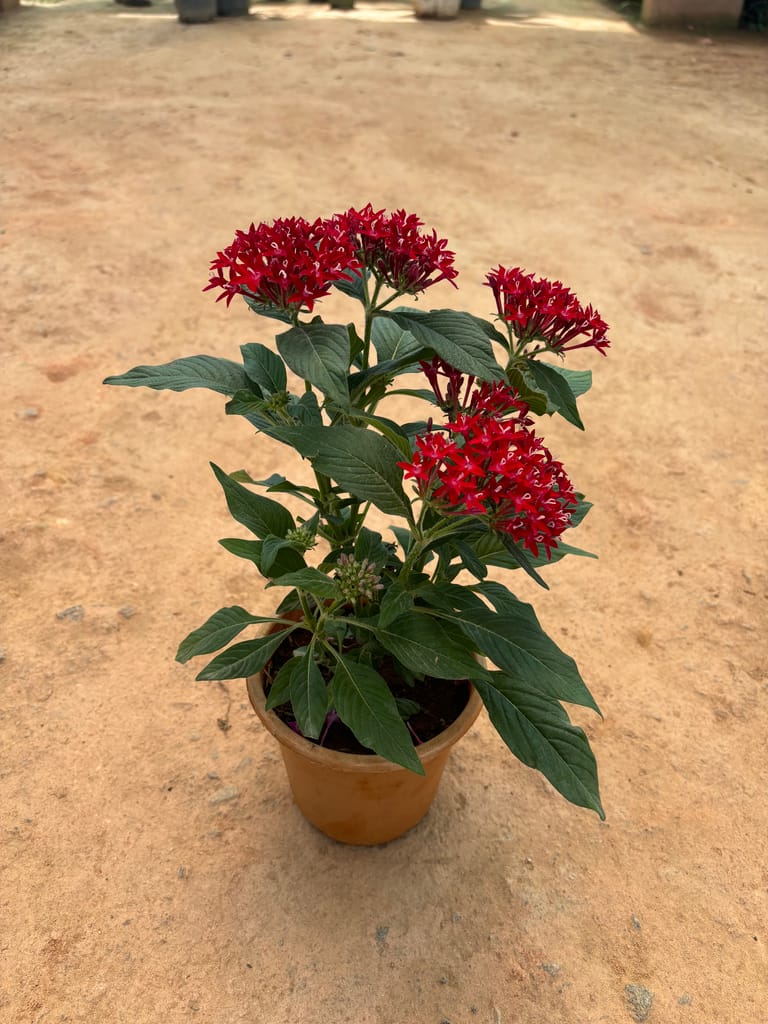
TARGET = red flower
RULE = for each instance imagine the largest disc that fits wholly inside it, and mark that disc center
(538, 309)
(394, 249)
(490, 464)
(289, 263)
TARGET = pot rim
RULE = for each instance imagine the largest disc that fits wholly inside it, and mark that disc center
(358, 762)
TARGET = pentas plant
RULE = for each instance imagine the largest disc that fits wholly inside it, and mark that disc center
(467, 481)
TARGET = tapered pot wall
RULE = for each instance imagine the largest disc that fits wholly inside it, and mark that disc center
(356, 798)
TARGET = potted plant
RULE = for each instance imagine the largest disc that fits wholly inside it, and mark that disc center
(385, 645)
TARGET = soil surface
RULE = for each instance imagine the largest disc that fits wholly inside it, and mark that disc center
(154, 868)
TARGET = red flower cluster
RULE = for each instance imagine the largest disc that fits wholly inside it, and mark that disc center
(489, 463)
(394, 249)
(538, 309)
(290, 263)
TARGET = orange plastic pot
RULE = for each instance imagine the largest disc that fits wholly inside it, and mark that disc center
(360, 799)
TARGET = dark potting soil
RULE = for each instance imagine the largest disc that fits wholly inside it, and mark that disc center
(440, 701)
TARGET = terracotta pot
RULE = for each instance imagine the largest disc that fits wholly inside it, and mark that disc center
(360, 799)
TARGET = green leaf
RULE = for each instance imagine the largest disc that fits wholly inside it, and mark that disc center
(264, 368)
(220, 375)
(556, 388)
(516, 643)
(538, 731)
(535, 398)
(309, 579)
(278, 557)
(579, 381)
(369, 544)
(455, 337)
(579, 512)
(309, 694)
(351, 284)
(277, 484)
(490, 331)
(404, 538)
(397, 601)
(389, 429)
(392, 341)
(260, 515)
(424, 644)
(448, 596)
(365, 704)
(365, 465)
(319, 353)
(264, 309)
(280, 690)
(521, 558)
(245, 659)
(223, 626)
(248, 549)
(470, 561)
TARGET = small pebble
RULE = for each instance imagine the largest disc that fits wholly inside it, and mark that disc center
(639, 1000)
(30, 413)
(382, 932)
(635, 923)
(73, 614)
(685, 999)
(3, 655)
(127, 612)
(223, 796)
(552, 969)
(182, 872)
(455, 917)
(212, 775)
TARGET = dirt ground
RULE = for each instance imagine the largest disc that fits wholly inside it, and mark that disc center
(555, 136)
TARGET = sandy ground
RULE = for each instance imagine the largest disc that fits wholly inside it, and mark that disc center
(558, 137)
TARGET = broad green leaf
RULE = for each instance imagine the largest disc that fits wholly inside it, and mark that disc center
(223, 626)
(490, 331)
(220, 375)
(425, 644)
(370, 545)
(280, 690)
(279, 556)
(277, 484)
(364, 464)
(556, 388)
(392, 341)
(365, 704)
(265, 368)
(455, 337)
(248, 549)
(470, 561)
(309, 694)
(538, 731)
(397, 601)
(535, 398)
(579, 381)
(351, 284)
(389, 429)
(309, 579)
(263, 309)
(305, 410)
(260, 515)
(319, 353)
(522, 558)
(245, 659)
(448, 596)
(516, 643)
(404, 538)
(579, 512)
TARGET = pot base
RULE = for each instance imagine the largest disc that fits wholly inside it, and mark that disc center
(360, 799)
